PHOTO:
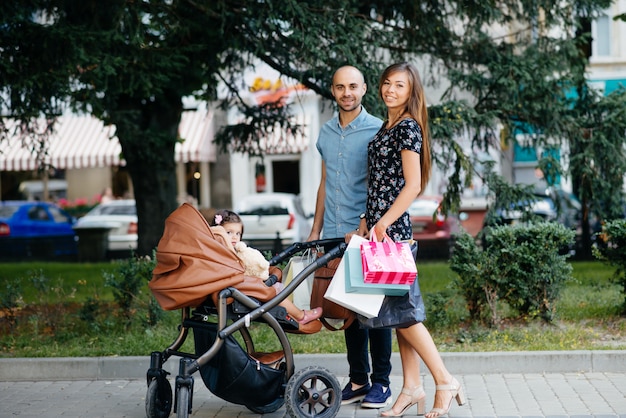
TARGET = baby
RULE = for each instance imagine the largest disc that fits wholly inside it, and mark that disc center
(233, 225)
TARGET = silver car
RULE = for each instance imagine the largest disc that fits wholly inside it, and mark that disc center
(120, 217)
(273, 221)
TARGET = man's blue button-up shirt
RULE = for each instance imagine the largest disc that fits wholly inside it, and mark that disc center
(344, 151)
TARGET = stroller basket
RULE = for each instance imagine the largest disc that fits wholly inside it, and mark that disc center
(235, 376)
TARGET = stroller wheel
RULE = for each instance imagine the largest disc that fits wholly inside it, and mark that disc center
(159, 399)
(182, 402)
(313, 392)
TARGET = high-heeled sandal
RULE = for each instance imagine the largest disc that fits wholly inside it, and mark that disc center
(418, 396)
(457, 393)
(311, 315)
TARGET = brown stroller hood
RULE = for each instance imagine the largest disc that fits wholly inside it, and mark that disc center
(192, 262)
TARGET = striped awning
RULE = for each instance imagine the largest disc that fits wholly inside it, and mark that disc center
(280, 141)
(82, 141)
(196, 132)
(77, 142)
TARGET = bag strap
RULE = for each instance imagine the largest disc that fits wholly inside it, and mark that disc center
(386, 237)
(346, 323)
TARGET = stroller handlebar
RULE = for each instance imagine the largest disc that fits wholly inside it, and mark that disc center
(300, 246)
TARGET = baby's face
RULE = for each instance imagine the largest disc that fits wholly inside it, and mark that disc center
(234, 231)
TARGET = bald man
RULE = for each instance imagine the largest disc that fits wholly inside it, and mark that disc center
(339, 210)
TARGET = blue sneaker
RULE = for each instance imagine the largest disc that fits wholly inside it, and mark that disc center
(378, 397)
(349, 396)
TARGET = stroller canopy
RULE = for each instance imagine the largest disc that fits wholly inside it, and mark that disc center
(192, 261)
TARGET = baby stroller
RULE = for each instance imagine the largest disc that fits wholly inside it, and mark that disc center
(199, 275)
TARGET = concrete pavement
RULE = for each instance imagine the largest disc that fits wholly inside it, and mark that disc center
(527, 384)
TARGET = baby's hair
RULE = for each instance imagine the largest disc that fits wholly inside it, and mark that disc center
(225, 216)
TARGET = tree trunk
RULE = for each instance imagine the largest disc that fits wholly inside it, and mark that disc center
(148, 135)
(154, 183)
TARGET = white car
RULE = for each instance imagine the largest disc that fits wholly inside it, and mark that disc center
(120, 217)
(273, 221)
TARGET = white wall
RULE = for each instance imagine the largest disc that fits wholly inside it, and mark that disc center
(87, 182)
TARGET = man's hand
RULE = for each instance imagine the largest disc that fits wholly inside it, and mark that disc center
(313, 236)
(360, 231)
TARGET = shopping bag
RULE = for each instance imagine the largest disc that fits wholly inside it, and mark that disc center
(387, 261)
(399, 311)
(356, 284)
(301, 296)
(335, 317)
(361, 303)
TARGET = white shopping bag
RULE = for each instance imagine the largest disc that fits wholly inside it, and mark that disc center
(365, 304)
(301, 296)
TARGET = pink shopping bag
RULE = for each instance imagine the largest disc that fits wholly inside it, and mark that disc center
(387, 262)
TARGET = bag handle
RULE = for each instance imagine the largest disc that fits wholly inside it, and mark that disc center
(386, 237)
(393, 248)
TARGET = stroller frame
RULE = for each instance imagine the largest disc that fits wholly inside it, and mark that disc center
(313, 392)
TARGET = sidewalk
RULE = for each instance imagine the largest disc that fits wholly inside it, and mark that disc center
(528, 384)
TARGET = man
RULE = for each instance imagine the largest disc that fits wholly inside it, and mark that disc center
(339, 210)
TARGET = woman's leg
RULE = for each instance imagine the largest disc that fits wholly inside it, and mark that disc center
(412, 391)
(410, 363)
(418, 337)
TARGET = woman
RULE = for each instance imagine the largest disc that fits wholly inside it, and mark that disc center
(398, 171)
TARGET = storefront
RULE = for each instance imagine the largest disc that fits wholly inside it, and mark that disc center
(86, 154)
(290, 162)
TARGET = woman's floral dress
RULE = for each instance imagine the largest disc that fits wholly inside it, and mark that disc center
(385, 176)
(385, 180)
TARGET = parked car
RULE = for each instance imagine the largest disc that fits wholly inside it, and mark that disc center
(551, 206)
(120, 217)
(273, 221)
(35, 229)
(544, 208)
(434, 231)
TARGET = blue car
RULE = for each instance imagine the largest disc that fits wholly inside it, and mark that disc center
(32, 229)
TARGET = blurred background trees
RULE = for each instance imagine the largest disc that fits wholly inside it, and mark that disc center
(499, 71)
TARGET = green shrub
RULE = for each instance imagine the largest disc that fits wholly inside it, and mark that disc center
(50, 314)
(473, 267)
(443, 310)
(128, 284)
(90, 309)
(10, 301)
(611, 248)
(533, 261)
(524, 266)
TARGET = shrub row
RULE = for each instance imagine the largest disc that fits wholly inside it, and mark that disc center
(523, 267)
(611, 248)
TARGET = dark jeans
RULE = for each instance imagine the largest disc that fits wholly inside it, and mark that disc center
(379, 340)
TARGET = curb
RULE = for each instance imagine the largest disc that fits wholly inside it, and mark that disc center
(130, 368)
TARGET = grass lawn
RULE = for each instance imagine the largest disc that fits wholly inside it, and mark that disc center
(76, 281)
(65, 309)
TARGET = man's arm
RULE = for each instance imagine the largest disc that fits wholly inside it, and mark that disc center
(318, 218)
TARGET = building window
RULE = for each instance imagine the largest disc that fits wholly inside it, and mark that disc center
(601, 46)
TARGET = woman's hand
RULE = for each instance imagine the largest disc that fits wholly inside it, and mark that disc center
(380, 230)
